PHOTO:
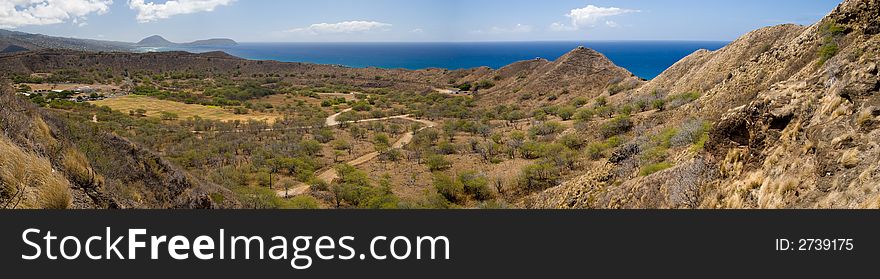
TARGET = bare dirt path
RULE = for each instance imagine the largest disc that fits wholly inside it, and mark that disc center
(330, 174)
(331, 121)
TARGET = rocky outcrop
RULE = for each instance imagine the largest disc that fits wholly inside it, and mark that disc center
(580, 73)
(795, 112)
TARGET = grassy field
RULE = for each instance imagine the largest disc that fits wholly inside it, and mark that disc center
(155, 107)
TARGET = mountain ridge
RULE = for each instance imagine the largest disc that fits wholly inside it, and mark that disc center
(28, 42)
(159, 41)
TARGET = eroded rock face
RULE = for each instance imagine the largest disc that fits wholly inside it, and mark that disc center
(791, 129)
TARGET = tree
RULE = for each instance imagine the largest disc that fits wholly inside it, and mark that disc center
(658, 104)
(383, 197)
(358, 133)
(168, 116)
(538, 176)
(381, 143)
(342, 145)
(24, 88)
(619, 125)
(438, 162)
(336, 155)
(475, 185)
(487, 150)
(452, 190)
(572, 141)
(352, 187)
(566, 112)
(286, 184)
(324, 135)
(310, 147)
(516, 141)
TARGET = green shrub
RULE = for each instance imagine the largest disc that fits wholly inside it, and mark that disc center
(572, 141)
(827, 51)
(446, 148)
(475, 185)
(594, 150)
(300, 202)
(615, 88)
(484, 84)
(449, 188)
(532, 150)
(619, 125)
(830, 32)
(319, 185)
(362, 106)
(658, 104)
(584, 115)
(168, 116)
(538, 176)
(566, 112)
(832, 29)
(437, 162)
(546, 129)
(665, 137)
(678, 100)
(641, 105)
(655, 154)
(653, 168)
(601, 101)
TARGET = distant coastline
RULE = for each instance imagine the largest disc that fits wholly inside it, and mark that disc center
(646, 59)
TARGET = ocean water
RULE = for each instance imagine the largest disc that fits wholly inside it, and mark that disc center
(645, 59)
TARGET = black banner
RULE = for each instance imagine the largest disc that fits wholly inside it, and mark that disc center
(491, 244)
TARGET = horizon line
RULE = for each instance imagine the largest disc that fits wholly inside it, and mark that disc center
(454, 42)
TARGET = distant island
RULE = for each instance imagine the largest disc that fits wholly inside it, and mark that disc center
(159, 41)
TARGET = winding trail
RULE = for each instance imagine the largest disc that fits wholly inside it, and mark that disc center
(329, 122)
(330, 174)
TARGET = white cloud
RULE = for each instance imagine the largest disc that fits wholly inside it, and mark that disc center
(417, 31)
(519, 28)
(17, 13)
(556, 26)
(341, 27)
(152, 11)
(590, 16)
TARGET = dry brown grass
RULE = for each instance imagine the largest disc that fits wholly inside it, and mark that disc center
(155, 107)
(850, 158)
(78, 168)
(44, 134)
(29, 181)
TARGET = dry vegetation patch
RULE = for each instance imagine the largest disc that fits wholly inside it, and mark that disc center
(155, 108)
(28, 180)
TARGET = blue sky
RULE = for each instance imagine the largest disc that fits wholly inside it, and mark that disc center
(407, 20)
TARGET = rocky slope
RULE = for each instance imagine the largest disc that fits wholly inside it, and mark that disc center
(795, 112)
(46, 164)
(581, 72)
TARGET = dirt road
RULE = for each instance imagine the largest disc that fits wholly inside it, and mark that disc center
(330, 174)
